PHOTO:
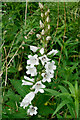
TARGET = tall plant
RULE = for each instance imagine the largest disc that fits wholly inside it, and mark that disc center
(40, 66)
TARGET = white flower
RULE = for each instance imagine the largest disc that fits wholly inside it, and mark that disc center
(41, 24)
(34, 48)
(48, 26)
(29, 79)
(50, 67)
(47, 19)
(38, 36)
(32, 110)
(42, 51)
(48, 38)
(31, 70)
(52, 52)
(42, 15)
(47, 77)
(26, 83)
(27, 99)
(41, 6)
(33, 60)
(44, 59)
(38, 87)
(42, 33)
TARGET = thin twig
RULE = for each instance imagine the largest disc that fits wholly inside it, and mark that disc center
(57, 20)
(10, 48)
(14, 55)
(6, 66)
(26, 12)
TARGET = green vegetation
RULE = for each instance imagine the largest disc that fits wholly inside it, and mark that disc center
(61, 98)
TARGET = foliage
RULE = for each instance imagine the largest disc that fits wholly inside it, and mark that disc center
(62, 98)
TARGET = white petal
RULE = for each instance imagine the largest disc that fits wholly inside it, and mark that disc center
(44, 80)
(49, 80)
(35, 112)
(42, 51)
(41, 90)
(27, 78)
(28, 72)
(28, 62)
(43, 86)
(26, 83)
(33, 48)
(53, 52)
(29, 56)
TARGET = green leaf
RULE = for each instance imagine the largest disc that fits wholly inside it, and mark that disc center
(52, 92)
(22, 90)
(71, 87)
(60, 106)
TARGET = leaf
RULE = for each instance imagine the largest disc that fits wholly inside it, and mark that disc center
(22, 90)
(52, 92)
(60, 106)
(71, 87)
(71, 110)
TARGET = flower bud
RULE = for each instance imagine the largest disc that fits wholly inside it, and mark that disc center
(48, 11)
(41, 5)
(38, 36)
(48, 26)
(47, 19)
(42, 33)
(41, 24)
(45, 13)
(25, 37)
(48, 38)
(42, 15)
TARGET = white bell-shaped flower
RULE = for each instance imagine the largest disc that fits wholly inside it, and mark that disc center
(48, 38)
(38, 36)
(41, 24)
(38, 87)
(32, 110)
(42, 51)
(33, 60)
(44, 59)
(52, 52)
(50, 67)
(41, 5)
(47, 77)
(34, 48)
(27, 99)
(31, 70)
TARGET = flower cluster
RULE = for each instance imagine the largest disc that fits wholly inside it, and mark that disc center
(41, 59)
